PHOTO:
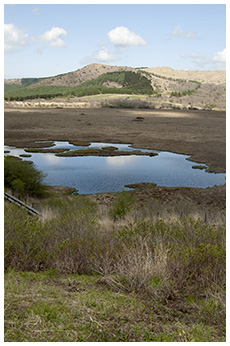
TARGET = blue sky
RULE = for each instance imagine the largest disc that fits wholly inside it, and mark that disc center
(44, 40)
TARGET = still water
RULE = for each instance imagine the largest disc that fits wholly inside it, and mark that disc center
(94, 174)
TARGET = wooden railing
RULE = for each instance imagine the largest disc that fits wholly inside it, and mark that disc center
(13, 199)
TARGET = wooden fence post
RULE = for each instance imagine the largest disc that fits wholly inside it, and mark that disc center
(205, 217)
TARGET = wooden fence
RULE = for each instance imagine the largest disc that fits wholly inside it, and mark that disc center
(21, 204)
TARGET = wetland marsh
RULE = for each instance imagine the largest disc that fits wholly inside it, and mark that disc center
(99, 171)
(171, 239)
(201, 134)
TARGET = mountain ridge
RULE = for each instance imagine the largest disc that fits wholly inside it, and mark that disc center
(163, 86)
(219, 76)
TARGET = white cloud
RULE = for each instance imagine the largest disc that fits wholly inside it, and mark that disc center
(101, 55)
(178, 32)
(105, 56)
(53, 37)
(217, 62)
(122, 36)
(200, 60)
(183, 55)
(36, 12)
(197, 57)
(220, 57)
(14, 38)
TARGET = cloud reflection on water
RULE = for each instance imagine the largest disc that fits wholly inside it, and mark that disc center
(52, 158)
(95, 174)
(121, 160)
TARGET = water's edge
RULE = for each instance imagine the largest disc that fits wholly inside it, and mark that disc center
(111, 173)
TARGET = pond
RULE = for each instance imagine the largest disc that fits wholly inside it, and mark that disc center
(95, 174)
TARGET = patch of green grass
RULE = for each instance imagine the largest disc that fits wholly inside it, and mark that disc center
(199, 167)
(106, 151)
(210, 106)
(80, 143)
(25, 155)
(75, 308)
(42, 150)
(81, 152)
(110, 148)
(80, 276)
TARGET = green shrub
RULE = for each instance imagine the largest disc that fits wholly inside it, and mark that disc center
(176, 268)
(25, 240)
(22, 177)
(18, 186)
(73, 235)
(122, 205)
(164, 259)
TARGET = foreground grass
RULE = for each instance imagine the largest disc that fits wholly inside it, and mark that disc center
(51, 307)
(84, 274)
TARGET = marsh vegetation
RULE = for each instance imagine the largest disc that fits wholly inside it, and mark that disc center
(117, 273)
(142, 265)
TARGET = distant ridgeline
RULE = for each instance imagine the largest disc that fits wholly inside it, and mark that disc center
(21, 83)
(122, 82)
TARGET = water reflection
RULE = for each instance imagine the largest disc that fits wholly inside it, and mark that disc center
(93, 174)
(52, 159)
(121, 160)
(97, 145)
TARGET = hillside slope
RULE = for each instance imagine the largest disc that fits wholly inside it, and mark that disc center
(82, 75)
(160, 87)
(214, 77)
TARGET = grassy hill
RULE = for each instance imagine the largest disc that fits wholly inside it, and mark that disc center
(162, 87)
(20, 83)
(112, 82)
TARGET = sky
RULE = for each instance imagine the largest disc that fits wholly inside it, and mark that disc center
(42, 40)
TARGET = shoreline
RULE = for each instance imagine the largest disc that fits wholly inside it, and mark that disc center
(198, 134)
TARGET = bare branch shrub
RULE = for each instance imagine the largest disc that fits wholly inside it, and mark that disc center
(149, 255)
